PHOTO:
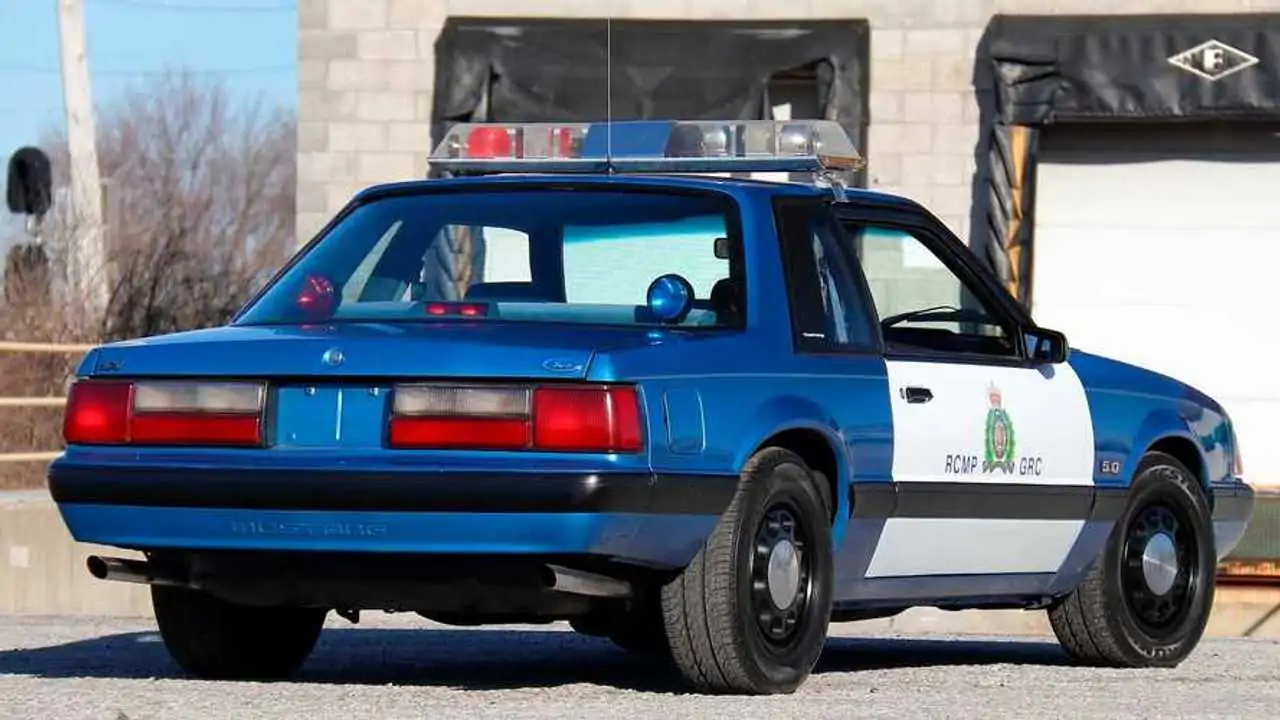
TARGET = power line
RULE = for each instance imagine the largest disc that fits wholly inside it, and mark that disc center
(258, 69)
(197, 7)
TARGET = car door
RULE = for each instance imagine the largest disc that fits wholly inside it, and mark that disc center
(992, 452)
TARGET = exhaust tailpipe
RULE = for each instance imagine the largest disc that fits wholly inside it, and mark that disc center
(578, 582)
(130, 571)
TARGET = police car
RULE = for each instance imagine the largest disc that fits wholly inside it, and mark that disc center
(597, 376)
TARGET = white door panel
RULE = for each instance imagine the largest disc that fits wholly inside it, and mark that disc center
(946, 439)
(985, 424)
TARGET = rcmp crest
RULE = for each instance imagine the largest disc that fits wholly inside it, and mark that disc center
(1000, 444)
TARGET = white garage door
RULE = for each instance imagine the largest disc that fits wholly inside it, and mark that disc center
(1162, 249)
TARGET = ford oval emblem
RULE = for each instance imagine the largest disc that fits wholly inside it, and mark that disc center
(561, 366)
(333, 357)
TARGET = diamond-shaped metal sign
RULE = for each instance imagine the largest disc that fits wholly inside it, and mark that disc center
(1213, 60)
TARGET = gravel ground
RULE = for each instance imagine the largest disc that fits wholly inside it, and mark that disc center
(399, 667)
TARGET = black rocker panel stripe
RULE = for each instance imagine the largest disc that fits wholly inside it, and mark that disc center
(986, 501)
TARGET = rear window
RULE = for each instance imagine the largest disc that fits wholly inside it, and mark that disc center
(573, 256)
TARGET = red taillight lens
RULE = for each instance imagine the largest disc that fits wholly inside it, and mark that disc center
(196, 429)
(164, 413)
(570, 418)
(97, 413)
(600, 419)
(460, 433)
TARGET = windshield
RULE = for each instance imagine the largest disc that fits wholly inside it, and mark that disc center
(537, 255)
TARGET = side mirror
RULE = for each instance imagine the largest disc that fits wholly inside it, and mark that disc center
(1046, 346)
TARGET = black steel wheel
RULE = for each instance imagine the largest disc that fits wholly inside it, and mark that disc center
(750, 613)
(1159, 571)
(1147, 598)
(780, 574)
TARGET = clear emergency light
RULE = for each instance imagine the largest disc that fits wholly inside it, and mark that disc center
(648, 146)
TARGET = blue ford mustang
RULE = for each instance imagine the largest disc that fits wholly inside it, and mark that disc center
(701, 416)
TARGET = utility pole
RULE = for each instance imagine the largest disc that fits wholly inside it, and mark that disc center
(87, 257)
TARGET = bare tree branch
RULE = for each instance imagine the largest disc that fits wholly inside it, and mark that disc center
(200, 210)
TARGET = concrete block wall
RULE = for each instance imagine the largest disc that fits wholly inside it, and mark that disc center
(366, 70)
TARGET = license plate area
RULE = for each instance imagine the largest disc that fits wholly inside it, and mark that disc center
(329, 416)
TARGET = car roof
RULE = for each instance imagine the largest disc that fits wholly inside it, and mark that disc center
(688, 182)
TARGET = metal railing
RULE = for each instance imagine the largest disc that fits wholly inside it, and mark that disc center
(8, 346)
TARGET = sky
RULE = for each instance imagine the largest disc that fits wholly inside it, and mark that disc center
(251, 44)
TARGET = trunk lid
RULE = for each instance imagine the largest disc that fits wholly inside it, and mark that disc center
(369, 350)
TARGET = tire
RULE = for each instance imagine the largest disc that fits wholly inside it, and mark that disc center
(1115, 617)
(212, 639)
(711, 609)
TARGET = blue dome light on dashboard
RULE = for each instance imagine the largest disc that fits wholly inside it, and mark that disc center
(670, 298)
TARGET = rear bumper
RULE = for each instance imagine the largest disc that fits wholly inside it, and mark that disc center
(1232, 508)
(652, 519)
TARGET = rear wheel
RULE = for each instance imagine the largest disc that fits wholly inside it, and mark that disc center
(211, 638)
(1146, 601)
(750, 612)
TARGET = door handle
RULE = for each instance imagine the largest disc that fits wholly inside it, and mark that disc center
(917, 394)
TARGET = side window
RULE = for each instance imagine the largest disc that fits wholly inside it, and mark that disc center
(506, 256)
(612, 264)
(921, 302)
(826, 312)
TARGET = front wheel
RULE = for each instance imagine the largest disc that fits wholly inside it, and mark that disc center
(1146, 601)
(750, 613)
(211, 638)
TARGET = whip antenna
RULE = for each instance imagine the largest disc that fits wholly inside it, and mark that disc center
(608, 89)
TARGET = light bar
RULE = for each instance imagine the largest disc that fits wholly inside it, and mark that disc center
(645, 146)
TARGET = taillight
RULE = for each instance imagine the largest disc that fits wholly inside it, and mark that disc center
(587, 418)
(459, 416)
(109, 412)
(97, 413)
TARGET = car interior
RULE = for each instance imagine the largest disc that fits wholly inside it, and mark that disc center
(418, 265)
